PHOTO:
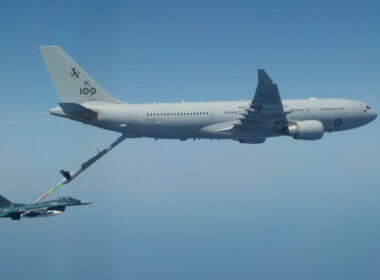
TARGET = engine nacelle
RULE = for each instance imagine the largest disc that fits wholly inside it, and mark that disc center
(306, 130)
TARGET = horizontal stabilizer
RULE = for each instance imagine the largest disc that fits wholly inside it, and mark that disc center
(76, 109)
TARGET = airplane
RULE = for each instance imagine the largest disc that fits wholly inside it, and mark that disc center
(16, 211)
(266, 115)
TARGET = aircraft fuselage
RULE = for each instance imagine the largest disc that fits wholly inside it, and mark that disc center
(213, 120)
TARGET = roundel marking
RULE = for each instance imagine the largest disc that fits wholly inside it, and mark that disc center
(338, 122)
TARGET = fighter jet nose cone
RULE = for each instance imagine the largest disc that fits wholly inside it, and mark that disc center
(83, 202)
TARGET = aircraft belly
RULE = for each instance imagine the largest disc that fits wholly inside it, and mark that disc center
(172, 131)
(185, 130)
(41, 214)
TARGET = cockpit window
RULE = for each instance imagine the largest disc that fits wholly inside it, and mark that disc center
(368, 107)
(66, 198)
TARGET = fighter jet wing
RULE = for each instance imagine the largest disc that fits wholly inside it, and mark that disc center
(266, 107)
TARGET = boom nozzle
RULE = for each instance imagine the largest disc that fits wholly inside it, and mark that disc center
(69, 176)
(65, 174)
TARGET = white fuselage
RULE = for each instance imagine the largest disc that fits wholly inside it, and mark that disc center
(214, 120)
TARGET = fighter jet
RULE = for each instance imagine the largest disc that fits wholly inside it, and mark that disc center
(16, 211)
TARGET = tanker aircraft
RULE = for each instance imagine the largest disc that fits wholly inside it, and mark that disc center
(252, 121)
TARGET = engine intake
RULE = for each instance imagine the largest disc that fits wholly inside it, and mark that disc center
(306, 130)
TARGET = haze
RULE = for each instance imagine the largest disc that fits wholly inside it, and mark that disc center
(192, 210)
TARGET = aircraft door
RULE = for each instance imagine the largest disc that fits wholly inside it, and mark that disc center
(150, 124)
(132, 117)
(313, 110)
(213, 112)
(340, 118)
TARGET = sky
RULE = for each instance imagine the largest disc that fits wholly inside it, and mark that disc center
(285, 209)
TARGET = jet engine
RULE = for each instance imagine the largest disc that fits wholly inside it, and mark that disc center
(306, 130)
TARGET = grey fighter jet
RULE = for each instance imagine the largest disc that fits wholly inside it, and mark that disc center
(17, 211)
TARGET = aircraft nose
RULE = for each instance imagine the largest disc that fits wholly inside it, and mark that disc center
(83, 202)
(373, 115)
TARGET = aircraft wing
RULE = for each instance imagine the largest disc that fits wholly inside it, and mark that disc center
(14, 213)
(24, 209)
(266, 107)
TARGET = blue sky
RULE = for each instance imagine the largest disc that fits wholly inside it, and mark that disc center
(192, 210)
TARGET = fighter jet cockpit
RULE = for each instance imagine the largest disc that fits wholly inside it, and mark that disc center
(66, 198)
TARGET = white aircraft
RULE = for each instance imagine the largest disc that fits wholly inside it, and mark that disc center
(82, 99)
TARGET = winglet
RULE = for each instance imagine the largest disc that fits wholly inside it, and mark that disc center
(263, 77)
(266, 92)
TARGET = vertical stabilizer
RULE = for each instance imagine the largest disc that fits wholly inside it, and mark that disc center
(4, 202)
(72, 83)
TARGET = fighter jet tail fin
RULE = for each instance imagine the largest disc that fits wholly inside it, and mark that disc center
(72, 83)
(4, 202)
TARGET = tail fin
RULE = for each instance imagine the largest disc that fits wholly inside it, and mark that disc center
(72, 83)
(4, 202)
